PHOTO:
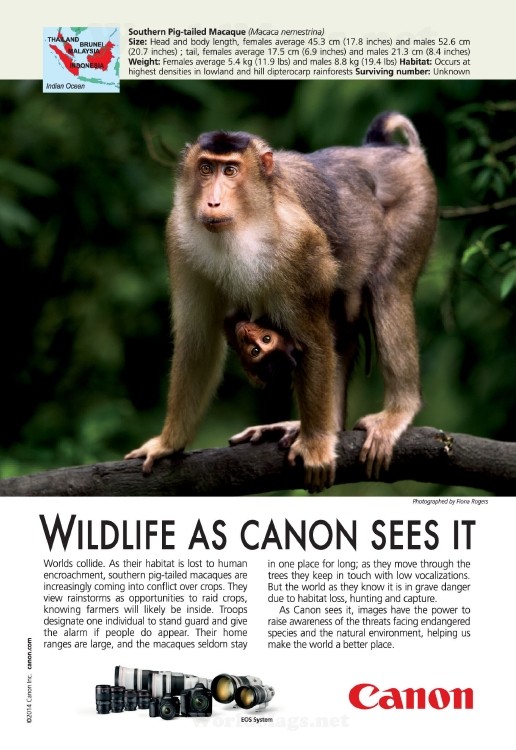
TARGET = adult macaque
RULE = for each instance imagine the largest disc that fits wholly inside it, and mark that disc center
(268, 356)
(286, 235)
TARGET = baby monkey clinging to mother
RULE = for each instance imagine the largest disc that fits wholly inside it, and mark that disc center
(268, 356)
(289, 236)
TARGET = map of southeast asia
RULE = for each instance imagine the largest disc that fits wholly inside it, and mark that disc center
(81, 59)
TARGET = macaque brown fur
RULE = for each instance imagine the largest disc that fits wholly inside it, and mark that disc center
(292, 236)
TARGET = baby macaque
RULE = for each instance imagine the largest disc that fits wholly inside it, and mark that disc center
(267, 355)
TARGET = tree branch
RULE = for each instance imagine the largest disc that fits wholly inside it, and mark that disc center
(423, 454)
(459, 212)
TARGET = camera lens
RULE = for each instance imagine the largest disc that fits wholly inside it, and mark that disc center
(143, 698)
(131, 700)
(196, 701)
(224, 686)
(117, 699)
(168, 707)
(248, 696)
(133, 679)
(103, 698)
(173, 683)
(200, 702)
(153, 708)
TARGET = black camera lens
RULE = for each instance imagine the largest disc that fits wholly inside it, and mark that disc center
(117, 699)
(103, 698)
(143, 698)
(131, 700)
(196, 702)
(153, 708)
(168, 707)
(167, 711)
(200, 702)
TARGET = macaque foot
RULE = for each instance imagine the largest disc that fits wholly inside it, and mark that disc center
(151, 450)
(319, 458)
(383, 430)
(288, 430)
(318, 453)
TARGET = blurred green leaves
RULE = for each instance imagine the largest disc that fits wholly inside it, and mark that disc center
(488, 156)
(17, 181)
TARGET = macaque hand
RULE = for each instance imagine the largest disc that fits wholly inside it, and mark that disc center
(289, 431)
(150, 451)
(319, 457)
(383, 430)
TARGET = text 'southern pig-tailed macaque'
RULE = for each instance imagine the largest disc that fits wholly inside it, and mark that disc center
(292, 237)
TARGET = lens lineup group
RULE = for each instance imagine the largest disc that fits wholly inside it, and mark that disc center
(171, 694)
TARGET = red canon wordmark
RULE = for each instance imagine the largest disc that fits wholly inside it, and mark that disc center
(366, 696)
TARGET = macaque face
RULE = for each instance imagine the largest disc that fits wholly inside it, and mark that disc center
(256, 342)
(228, 178)
(220, 183)
(267, 356)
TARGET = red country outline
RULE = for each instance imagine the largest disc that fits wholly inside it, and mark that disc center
(70, 64)
(102, 57)
(68, 47)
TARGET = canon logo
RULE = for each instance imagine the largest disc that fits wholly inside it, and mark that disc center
(367, 696)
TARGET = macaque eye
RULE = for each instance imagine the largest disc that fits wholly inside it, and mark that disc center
(255, 351)
(206, 169)
(266, 339)
(230, 170)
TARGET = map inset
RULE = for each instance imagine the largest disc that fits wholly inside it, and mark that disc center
(81, 59)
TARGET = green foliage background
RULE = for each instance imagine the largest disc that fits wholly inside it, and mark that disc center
(85, 187)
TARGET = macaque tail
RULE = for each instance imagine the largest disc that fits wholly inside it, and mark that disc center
(381, 130)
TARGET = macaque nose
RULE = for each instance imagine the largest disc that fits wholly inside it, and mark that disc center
(214, 195)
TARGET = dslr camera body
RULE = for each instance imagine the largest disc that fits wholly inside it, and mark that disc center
(169, 706)
(196, 701)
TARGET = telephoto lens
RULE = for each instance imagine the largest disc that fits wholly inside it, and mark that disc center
(143, 698)
(117, 699)
(224, 686)
(169, 707)
(154, 708)
(173, 683)
(103, 698)
(133, 679)
(131, 700)
(249, 696)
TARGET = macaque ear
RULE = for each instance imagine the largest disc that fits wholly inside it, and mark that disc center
(267, 160)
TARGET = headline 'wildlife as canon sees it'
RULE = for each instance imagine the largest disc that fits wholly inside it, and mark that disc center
(311, 241)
